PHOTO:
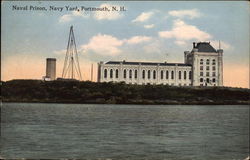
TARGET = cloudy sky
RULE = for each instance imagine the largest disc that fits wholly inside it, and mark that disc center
(146, 31)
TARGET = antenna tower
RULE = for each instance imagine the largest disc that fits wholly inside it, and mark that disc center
(71, 67)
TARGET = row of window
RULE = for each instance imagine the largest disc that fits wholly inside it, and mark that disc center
(207, 80)
(208, 61)
(179, 75)
(207, 68)
(172, 84)
(208, 74)
(167, 75)
(206, 84)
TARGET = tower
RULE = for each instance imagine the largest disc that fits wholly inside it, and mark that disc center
(51, 68)
(71, 67)
(92, 72)
(207, 64)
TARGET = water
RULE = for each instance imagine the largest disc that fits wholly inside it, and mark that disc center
(124, 131)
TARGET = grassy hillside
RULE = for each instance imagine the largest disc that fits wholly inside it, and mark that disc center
(118, 93)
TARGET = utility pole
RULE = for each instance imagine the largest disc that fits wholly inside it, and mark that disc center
(166, 54)
(92, 72)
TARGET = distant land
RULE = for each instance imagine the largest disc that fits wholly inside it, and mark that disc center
(118, 93)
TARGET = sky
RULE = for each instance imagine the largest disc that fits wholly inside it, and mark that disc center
(145, 31)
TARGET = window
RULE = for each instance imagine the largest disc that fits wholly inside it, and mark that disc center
(201, 73)
(208, 80)
(207, 68)
(213, 62)
(185, 75)
(105, 73)
(214, 74)
(154, 74)
(143, 74)
(161, 74)
(213, 68)
(166, 74)
(172, 74)
(207, 74)
(190, 75)
(201, 61)
(135, 74)
(213, 79)
(124, 74)
(201, 68)
(148, 74)
(207, 61)
(179, 74)
(130, 74)
(116, 73)
(111, 73)
(201, 79)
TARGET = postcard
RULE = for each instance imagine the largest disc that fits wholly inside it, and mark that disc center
(125, 80)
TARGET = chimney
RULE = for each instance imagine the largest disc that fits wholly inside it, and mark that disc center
(193, 44)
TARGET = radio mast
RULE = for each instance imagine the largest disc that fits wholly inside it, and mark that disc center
(71, 67)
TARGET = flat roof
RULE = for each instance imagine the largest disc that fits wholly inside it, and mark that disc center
(147, 63)
(53, 59)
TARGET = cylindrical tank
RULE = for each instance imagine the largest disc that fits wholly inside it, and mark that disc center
(51, 68)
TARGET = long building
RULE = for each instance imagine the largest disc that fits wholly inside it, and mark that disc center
(203, 66)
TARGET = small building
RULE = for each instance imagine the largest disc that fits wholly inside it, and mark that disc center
(203, 66)
(46, 78)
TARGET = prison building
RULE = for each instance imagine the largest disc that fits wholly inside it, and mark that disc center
(203, 66)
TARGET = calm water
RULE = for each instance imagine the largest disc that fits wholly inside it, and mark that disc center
(124, 131)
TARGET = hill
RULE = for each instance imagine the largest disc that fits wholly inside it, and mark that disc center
(118, 93)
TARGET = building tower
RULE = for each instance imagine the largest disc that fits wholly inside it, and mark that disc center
(71, 67)
(207, 64)
(51, 68)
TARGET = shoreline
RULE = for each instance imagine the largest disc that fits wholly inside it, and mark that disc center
(76, 92)
(138, 103)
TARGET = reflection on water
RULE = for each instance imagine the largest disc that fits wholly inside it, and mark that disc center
(124, 131)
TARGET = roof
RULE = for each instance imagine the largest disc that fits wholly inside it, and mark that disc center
(147, 63)
(51, 59)
(204, 47)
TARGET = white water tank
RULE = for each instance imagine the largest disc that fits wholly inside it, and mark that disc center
(51, 68)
